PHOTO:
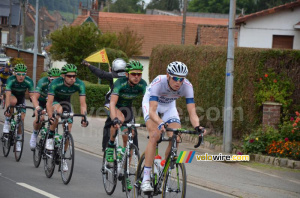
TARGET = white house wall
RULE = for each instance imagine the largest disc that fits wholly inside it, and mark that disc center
(258, 32)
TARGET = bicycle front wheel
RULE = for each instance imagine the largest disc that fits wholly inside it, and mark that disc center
(19, 140)
(37, 152)
(174, 184)
(6, 140)
(67, 155)
(129, 177)
(109, 175)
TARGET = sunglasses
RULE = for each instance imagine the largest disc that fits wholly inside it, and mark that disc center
(177, 79)
(71, 76)
(21, 74)
(136, 74)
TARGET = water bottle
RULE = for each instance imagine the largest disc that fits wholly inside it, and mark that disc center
(157, 161)
(162, 165)
(43, 132)
(119, 153)
(12, 124)
(57, 138)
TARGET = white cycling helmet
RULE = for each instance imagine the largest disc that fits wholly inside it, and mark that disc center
(118, 65)
(178, 69)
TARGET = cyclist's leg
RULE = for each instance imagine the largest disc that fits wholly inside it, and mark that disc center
(106, 129)
(13, 101)
(171, 117)
(50, 141)
(36, 126)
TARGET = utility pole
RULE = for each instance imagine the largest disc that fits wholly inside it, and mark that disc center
(9, 23)
(184, 22)
(228, 109)
(35, 50)
(23, 24)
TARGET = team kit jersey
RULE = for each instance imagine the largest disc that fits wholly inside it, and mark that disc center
(160, 91)
(5, 75)
(42, 89)
(61, 92)
(126, 92)
(19, 88)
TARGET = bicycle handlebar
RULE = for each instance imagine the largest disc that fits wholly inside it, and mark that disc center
(200, 139)
(20, 107)
(40, 113)
(67, 115)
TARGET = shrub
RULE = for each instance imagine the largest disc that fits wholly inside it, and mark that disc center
(288, 149)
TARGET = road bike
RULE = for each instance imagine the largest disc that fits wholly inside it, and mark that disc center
(63, 153)
(12, 138)
(171, 180)
(39, 150)
(124, 168)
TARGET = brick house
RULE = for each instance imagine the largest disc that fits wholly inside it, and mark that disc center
(159, 29)
(27, 56)
(4, 21)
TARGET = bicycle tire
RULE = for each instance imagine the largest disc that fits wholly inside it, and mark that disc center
(37, 152)
(18, 154)
(6, 140)
(49, 160)
(109, 175)
(137, 192)
(135, 157)
(69, 154)
(173, 176)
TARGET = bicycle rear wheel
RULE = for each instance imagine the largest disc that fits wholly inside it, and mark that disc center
(19, 127)
(174, 184)
(67, 157)
(6, 140)
(109, 175)
(37, 152)
(133, 164)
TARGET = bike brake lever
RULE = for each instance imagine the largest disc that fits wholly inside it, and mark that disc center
(200, 140)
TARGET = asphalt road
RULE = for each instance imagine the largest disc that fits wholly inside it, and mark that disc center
(22, 179)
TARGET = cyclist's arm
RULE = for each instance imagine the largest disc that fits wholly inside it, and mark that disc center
(34, 99)
(193, 115)
(112, 106)
(82, 104)
(49, 105)
(152, 112)
(100, 73)
(7, 101)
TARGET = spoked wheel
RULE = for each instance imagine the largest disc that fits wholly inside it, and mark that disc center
(67, 158)
(174, 184)
(139, 178)
(37, 152)
(49, 163)
(109, 175)
(18, 146)
(6, 140)
(129, 179)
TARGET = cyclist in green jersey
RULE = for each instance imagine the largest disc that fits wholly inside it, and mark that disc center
(16, 87)
(124, 92)
(39, 101)
(59, 96)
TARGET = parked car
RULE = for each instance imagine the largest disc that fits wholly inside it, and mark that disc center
(3, 59)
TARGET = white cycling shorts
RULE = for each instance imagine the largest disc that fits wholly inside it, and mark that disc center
(169, 113)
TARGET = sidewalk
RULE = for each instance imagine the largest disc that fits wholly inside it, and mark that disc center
(230, 178)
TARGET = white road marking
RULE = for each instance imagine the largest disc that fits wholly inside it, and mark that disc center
(37, 190)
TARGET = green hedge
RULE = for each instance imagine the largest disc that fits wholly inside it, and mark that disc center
(207, 66)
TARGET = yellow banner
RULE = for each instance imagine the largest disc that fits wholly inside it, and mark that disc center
(98, 57)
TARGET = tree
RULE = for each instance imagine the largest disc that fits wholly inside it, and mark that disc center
(169, 5)
(127, 6)
(130, 42)
(222, 6)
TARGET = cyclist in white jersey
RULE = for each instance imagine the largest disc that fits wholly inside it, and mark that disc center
(160, 98)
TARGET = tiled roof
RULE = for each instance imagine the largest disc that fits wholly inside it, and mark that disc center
(79, 20)
(156, 29)
(267, 12)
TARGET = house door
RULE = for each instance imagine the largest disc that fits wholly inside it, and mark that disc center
(283, 42)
